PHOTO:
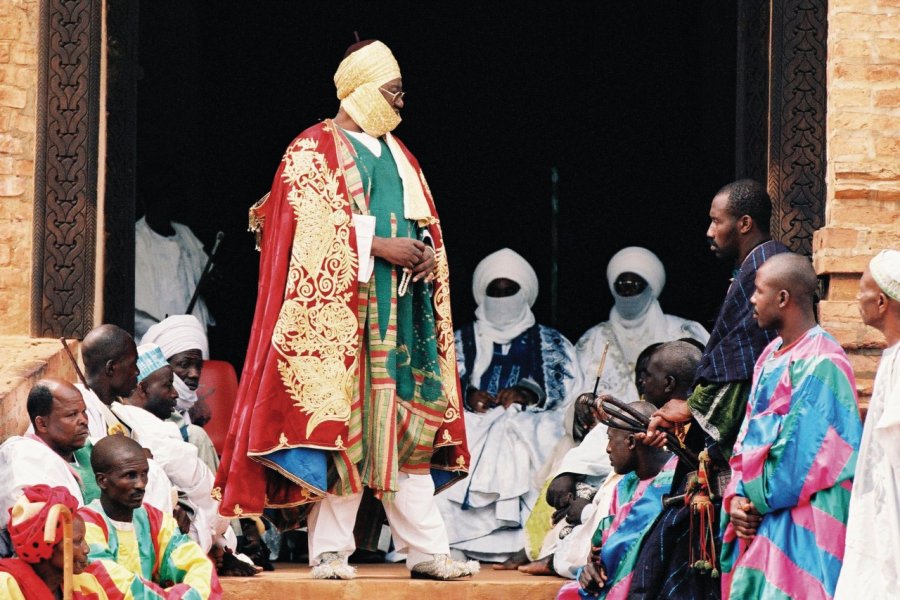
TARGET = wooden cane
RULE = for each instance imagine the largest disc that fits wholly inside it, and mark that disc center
(600, 367)
(65, 345)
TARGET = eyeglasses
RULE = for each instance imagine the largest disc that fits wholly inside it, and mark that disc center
(394, 95)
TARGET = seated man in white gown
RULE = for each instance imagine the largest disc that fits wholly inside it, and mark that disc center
(519, 377)
(636, 278)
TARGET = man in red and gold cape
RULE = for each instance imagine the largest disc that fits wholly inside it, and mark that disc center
(40, 533)
(350, 378)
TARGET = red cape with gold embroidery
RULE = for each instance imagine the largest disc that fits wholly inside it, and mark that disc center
(299, 384)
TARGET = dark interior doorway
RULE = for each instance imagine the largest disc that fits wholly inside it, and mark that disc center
(635, 107)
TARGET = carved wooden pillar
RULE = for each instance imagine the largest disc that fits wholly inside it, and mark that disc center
(65, 202)
(796, 160)
(121, 140)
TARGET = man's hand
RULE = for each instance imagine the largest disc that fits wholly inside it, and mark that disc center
(182, 518)
(744, 517)
(674, 411)
(481, 402)
(573, 513)
(585, 413)
(200, 413)
(403, 252)
(509, 396)
(426, 267)
(592, 578)
(561, 491)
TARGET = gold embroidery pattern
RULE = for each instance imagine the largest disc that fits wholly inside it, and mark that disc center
(317, 331)
(238, 511)
(216, 494)
(445, 339)
(339, 443)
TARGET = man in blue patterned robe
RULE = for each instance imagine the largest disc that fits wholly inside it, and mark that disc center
(519, 378)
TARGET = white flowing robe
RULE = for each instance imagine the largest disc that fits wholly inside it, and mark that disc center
(626, 341)
(871, 567)
(166, 272)
(25, 461)
(508, 448)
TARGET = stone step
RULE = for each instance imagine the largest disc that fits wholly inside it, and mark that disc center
(389, 582)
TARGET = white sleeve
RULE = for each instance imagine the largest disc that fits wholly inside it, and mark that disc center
(365, 232)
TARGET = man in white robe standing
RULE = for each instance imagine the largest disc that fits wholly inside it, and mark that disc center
(871, 567)
(519, 378)
(168, 263)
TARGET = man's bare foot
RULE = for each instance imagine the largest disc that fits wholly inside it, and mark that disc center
(543, 566)
(513, 562)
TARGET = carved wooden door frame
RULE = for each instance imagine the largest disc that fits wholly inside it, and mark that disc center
(65, 226)
(781, 97)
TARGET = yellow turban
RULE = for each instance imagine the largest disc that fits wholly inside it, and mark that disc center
(358, 79)
(373, 65)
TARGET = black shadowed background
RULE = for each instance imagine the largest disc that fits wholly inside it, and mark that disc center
(632, 103)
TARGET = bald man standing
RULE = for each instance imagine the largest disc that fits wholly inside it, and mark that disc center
(792, 468)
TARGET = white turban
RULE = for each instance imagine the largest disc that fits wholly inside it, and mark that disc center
(885, 269)
(178, 333)
(507, 264)
(639, 261)
(501, 320)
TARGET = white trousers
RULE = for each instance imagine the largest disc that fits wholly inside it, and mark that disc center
(416, 523)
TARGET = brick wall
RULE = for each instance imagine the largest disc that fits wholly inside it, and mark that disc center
(863, 176)
(18, 91)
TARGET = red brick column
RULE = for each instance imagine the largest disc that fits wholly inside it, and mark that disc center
(863, 174)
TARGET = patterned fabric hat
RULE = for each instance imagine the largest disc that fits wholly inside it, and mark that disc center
(150, 359)
(35, 524)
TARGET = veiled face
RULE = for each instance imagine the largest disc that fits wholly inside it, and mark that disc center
(501, 288)
(629, 284)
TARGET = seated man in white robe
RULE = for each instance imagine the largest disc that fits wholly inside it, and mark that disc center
(519, 378)
(146, 411)
(636, 278)
(185, 347)
(110, 364)
(48, 456)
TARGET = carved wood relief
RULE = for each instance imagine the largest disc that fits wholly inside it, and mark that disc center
(796, 178)
(65, 200)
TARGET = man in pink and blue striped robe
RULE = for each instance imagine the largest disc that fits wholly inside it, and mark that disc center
(793, 463)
